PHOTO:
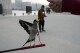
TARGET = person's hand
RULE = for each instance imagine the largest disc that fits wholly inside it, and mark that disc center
(45, 16)
(55, 5)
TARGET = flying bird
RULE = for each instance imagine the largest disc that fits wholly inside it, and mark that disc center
(31, 29)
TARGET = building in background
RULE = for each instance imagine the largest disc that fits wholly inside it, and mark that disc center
(36, 6)
(24, 4)
(6, 6)
(18, 4)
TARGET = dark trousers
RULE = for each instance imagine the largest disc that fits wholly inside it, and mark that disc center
(41, 25)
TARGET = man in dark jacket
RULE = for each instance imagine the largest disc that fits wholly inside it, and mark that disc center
(41, 15)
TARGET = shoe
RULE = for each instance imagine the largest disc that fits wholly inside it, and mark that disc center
(43, 30)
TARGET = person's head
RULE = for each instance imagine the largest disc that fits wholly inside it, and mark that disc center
(42, 7)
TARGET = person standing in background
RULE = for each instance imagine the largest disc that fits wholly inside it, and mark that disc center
(41, 15)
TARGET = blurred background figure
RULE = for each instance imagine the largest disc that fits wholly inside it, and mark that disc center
(48, 10)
